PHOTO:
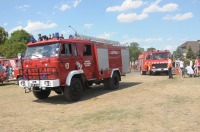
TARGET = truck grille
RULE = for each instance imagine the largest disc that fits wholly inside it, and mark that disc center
(159, 65)
(39, 73)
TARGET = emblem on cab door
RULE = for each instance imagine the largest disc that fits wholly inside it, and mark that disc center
(66, 65)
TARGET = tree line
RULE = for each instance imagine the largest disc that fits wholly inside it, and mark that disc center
(16, 43)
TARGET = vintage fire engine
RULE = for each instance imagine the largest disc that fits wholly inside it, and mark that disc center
(69, 66)
(153, 61)
(13, 63)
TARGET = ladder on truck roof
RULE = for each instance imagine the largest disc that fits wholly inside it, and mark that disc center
(94, 39)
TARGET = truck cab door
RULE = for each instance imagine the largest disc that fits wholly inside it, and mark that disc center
(88, 61)
(68, 54)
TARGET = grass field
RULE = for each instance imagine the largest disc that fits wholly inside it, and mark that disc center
(142, 103)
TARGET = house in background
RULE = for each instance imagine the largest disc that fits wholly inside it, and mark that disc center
(193, 44)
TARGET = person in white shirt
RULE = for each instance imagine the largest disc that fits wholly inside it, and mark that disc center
(181, 67)
(189, 71)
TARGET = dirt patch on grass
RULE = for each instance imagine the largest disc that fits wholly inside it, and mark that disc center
(142, 103)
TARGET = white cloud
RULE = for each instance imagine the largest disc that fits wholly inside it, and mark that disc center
(144, 40)
(169, 47)
(33, 26)
(126, 5)
(105, 35)
(64, 7)
(5, 24)
(23, 7)
(15, 29)
(165, 8)
(76, 2)
(179, 17)
(131, 17)
(88, 26)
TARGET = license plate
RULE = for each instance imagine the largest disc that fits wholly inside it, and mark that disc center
(34, 85)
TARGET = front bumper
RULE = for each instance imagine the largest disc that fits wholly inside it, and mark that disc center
(39, 83)
(159, 69)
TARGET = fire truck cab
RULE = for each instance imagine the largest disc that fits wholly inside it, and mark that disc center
(68, 66)
(153, 61)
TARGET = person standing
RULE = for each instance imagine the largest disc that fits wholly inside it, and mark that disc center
(40, 37)
(181, 67)
(169, 66)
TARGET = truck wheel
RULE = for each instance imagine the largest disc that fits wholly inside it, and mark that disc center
(41, 94)
(112, 83)
(74, 91)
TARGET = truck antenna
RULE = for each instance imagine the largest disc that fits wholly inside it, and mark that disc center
(74, 30)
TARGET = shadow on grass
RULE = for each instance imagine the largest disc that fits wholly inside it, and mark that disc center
(7, 83)
(92, 93)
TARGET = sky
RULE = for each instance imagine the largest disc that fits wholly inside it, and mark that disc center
(162, 24)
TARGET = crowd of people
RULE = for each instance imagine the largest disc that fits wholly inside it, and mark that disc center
(44, 37)
(7, 72)
(190, 69)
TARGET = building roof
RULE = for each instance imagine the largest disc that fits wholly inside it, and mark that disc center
(193, 44)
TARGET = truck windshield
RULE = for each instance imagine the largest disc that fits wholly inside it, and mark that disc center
(42, 51)
(159, 56)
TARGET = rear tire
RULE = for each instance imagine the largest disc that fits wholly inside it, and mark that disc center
(112, 83)
(74, 91)
(41, 94)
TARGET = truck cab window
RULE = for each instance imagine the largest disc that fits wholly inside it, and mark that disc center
(148, 57)
(75, 49)
(66, 49)
(87, 50)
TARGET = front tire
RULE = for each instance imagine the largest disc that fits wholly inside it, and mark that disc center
(74, 91)
(41, 94)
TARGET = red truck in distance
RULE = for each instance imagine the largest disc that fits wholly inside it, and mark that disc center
(150, 62)
(68, 66)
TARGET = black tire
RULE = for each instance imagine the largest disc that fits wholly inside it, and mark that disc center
(74, 91)
(112, 83)
(41, 94)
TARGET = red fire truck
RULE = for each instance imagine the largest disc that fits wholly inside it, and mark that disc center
(13, 63)
(68, 66)
(153, 61)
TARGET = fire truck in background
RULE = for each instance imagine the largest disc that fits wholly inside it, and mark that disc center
(68, 66)
(153, 61)
(13, 63)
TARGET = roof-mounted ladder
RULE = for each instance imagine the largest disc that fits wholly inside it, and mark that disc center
(94, 39)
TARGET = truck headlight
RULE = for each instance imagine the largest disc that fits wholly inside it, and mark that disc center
(22, 83)
(47, 83)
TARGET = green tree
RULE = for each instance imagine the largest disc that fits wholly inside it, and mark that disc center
(10, 50)
(20, 36)
(178, 53)
(135, 50)
(151, 49)
(190, 53)
(3, 35)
